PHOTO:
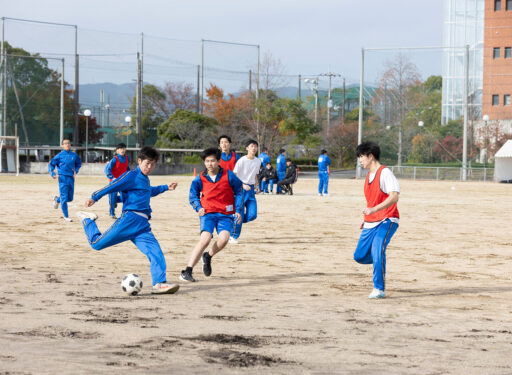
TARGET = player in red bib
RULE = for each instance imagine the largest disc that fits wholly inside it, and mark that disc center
(216, 195)
(228, 158)
(114, 169)
(381, 190)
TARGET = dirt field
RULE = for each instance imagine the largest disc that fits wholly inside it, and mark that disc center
(289, 299)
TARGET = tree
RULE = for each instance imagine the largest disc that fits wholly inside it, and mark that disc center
(154, 110)
(95, 135)
(180, 95)
(186, 129)
(33, 98)
(272, 73)
(297, 122)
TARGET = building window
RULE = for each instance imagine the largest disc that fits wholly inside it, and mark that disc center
(509, 4)
(497, 4)
(496, 53)
(495, 100)
(506, 99)
(508, 52)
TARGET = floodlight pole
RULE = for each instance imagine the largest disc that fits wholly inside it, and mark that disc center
(202, 73)
(62, 104)
(4, 82)
(465, 138)
(360, 122)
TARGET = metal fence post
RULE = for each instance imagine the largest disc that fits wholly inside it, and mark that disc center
(437, 174)
(414, 178)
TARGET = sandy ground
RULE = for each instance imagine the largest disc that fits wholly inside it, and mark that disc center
(288, 299)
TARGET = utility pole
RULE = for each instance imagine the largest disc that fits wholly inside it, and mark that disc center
(76, 103)
(298, 91)
(360, 121)
(138, 101)
(250, 80)
(4, 82)
(2, 77)
(329, 103)
(343, 106)
(202, 73)
(61, 135)
(198, 93)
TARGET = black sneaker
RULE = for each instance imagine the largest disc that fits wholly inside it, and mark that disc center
(187, 276)
(207, 263)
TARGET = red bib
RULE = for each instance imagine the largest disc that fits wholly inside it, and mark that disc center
(230, 164)
(217, 196)
(375, 196)
(120, 168)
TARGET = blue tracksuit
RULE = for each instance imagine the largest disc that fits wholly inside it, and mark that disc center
(68, 164)
(265, 159)
(371, 248)
(249, 211)
(281, 170)
(213, 220)
(114, 198)
(133, 224)
(323, 173)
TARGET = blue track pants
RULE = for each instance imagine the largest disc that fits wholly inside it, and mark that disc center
(66, 191)
(249, 212)
(323, 182)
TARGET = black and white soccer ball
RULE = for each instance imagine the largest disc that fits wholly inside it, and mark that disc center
(131, 284)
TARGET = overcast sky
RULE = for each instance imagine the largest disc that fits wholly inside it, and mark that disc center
(307, 36)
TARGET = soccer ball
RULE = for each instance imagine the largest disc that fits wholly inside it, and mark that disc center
(131, 284)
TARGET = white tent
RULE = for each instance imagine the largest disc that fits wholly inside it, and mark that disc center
(503, 163)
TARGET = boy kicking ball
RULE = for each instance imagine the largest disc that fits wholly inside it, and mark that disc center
(133, 224)
(216, 194)
(381, 190)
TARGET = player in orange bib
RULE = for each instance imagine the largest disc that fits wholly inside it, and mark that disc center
(228, 158)
(381, 190)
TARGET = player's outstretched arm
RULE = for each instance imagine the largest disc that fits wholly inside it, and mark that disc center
(89, 202)
(125, 182)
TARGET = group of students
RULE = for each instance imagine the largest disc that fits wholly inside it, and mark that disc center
(223, 195)
(284, 176)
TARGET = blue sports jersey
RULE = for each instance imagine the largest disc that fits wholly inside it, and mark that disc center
(281, 163)
(67, 162)
(323, 162)
(265, 159)
(196, 188)
(136, 189)
(112, 163)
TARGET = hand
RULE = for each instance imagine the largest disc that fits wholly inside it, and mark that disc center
(361, 225)
(246, 187)
(369, 210)
(172, 185)
(256, 189)
(238, 218)
(89, 202)
(55, 176)
(74, 174)
(201, 212)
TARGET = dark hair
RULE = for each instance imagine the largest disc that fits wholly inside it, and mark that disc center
(282, 150)
(324, 151)
(224, 136)
(65, 139)
(148, 153)
(120, 145)
(265, 148)
(250, 142)
(209, 152)
(367, 148)
(288, 159)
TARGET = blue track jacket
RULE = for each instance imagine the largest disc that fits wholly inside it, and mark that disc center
(67, 162)
(136, 189)
(281, 163)
(196, 188)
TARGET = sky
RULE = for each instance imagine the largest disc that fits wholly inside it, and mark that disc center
(308, 37)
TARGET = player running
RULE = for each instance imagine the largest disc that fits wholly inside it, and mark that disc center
(114, 169)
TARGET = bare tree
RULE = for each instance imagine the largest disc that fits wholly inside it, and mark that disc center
(400, 75)
(272, 73)
(180, 95)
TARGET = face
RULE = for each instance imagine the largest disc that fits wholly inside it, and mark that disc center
(146, 166)
(224, 145)
(269, 166)
(121, 151)
(211, 163)
(66, 145)
(365, 160)
(252, 149)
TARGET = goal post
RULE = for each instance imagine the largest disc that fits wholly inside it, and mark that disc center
(10, 154)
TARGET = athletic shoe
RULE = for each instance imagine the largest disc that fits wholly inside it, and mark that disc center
(207, 263)
(377, 293)
(113, 217)
(187, 276)
(82, 215)
(233, 240)
(68, 219)
(163, 288)
(326, 194)
(55, 202)
(319, 194)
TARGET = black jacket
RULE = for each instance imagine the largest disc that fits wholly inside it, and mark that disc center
(270, 174)
(291, 171)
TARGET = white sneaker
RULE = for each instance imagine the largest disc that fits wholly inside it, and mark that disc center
(82, 215)
(55, 202)
(163, 288)
(233, 240)
(326, 194)
(377, 293)
(68, 219)
(319, 194)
